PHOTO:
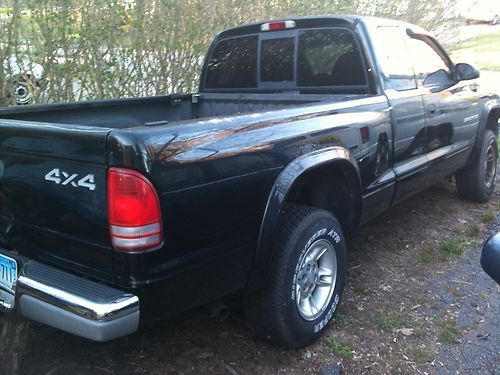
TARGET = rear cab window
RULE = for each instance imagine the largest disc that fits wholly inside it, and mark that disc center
(276, 60)
(329, 57)
(233, 64)
(301, 59)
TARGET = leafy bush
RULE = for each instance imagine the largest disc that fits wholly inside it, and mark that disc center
(93, 49)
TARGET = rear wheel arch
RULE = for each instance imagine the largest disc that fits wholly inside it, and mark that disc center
(334, 187)
(306, 181)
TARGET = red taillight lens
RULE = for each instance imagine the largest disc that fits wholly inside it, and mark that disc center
(134, 213)
(277, 25)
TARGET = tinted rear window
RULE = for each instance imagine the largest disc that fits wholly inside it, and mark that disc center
(329, 58)
(276, 60)
(233, 64)
(323, 58)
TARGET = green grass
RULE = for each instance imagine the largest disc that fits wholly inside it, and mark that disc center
(480, 50)
(451, 248)
(487, 217)
(421, 354)
(339, 347)
(342, 318)
(473, 230)
(448, 334)
(389, 322)
(488, 65)
(420, 333)
(481, 43)
(427, 255)
(446, 250)
(363, 290)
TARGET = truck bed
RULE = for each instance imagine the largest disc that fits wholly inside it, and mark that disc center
(151, 111)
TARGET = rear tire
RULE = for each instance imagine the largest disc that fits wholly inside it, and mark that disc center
(307, 279)
(476, 182)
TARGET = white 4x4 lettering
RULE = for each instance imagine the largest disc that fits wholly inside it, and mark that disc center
(64, 178)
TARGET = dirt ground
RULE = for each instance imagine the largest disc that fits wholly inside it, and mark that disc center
(416, 301)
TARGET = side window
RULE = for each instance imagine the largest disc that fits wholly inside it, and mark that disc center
(394, 58)
(329, 57)
(425, 59)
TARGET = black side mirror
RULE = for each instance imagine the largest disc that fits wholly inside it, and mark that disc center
(490, 257)
(437, 81)
(465, 72)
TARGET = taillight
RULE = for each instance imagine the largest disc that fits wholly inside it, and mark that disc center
(134, 213)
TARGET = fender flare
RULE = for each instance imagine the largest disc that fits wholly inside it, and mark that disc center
(490, 106)
(277, 198)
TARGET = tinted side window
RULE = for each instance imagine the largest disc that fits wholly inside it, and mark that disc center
(276, 60)
(426, 60)
(329, 58)
(233, 64)
(394, 58)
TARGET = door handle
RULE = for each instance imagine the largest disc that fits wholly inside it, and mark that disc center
(431, 109)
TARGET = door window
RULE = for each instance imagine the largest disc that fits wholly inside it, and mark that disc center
(425, 58)
(394, 58)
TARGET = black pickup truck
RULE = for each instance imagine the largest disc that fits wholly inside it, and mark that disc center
(118, 212)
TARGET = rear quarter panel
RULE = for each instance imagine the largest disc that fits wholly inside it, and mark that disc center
(214, 177)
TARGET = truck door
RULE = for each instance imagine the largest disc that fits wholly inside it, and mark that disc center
(451, 107)
(407, 111)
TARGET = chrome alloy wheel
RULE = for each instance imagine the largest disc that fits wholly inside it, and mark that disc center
(490, 166)
(316, 279)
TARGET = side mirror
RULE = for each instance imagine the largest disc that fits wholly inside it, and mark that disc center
(465, 72)
(490, 257)
(438, 81)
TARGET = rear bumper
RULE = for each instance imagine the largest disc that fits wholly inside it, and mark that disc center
(74, 304)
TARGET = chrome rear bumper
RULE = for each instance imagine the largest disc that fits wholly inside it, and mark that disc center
(75, 304)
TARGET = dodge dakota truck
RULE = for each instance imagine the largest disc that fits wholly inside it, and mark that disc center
(115, 213)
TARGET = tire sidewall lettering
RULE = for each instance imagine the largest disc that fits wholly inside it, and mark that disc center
(330, 233)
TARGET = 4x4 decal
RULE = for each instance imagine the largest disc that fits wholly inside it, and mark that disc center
(65, 178)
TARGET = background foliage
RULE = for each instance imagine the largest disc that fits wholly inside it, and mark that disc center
(89, 49)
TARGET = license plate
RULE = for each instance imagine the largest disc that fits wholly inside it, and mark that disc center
(8, 278)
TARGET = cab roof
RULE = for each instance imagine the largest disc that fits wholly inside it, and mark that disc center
(345, 20)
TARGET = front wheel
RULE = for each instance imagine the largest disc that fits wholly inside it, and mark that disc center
(307, 279)
(477, 181)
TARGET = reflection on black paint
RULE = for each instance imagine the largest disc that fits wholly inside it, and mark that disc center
(439, 136)
(382, 156)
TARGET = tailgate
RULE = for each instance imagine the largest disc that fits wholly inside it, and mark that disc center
(53, 195)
